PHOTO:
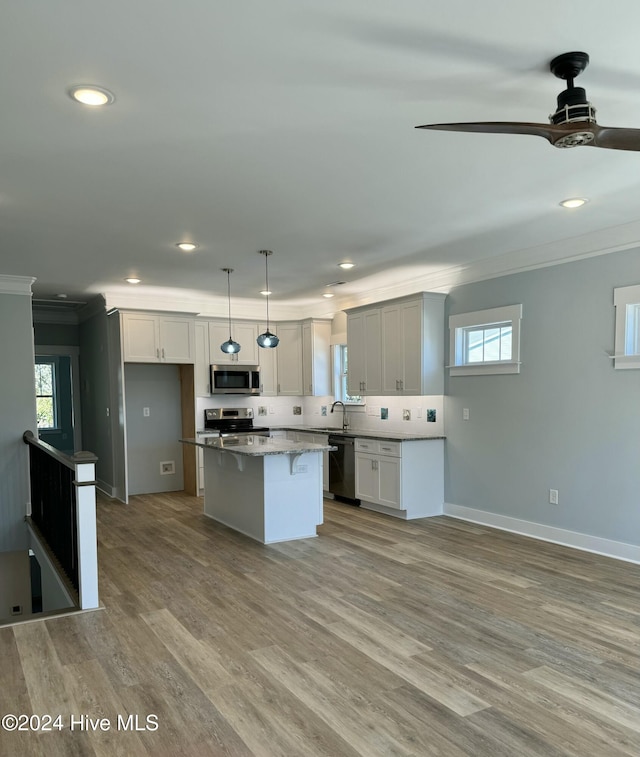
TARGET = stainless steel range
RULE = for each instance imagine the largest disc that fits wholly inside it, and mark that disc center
(232, 421)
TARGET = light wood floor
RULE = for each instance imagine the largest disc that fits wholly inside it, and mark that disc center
(380, 637)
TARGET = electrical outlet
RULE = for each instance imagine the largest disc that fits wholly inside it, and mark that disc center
(302, 468)
(406, 415)
(431, 415)
(146, 411)
(465, 413)
(384, 413)
(262, 410)
(168, 467)
(297, 410)
(553, 496)
(323, 410)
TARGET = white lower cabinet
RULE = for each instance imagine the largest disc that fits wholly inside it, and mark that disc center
(378, 471)
(405, 479)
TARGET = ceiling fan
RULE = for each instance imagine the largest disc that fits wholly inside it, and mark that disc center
(572, 125)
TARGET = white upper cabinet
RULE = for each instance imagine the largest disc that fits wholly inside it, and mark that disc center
(202, 380)
(243, 332)
(152, 338)
(409, 345)
(316, 357)
(365, 352)
(268, 361)
(289, 357)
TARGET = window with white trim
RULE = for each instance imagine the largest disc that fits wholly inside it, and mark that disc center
(627, 339)
(485, 341)
(340, 372)
(46, 400)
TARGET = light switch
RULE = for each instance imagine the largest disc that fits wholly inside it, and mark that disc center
(465, 413)
(146, 412)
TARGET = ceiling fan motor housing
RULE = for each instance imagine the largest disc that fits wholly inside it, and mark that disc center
(573, 106)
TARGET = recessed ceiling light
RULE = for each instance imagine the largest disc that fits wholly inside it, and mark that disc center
(346, 265)
(132, 280)
(186, 246)
(574, 202)
(266, 292)
(328, 294)
(89, 94)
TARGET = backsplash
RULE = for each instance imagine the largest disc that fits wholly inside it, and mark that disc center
(403, 414)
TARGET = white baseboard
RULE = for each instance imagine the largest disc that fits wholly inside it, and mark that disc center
(607, 547)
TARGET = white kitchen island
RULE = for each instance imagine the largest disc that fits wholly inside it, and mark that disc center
(269, 489)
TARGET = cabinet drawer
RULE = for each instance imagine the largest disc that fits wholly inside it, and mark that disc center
(367, 445)
(389, 448)
(378, 447)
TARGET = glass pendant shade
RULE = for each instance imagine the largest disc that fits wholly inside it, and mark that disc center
(267, 339)
(229, 347)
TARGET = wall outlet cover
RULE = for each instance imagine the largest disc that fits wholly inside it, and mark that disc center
(297, 410)
(167, 467)
(323, 410)
(431, 415)
(262, 410)
(406, 415)
(384, 413)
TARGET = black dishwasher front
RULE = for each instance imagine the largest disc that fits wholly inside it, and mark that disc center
(342, 469)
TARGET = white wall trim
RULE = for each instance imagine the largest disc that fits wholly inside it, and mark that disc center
(16, 284)
(585, 542)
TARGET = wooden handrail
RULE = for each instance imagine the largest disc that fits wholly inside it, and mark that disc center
(69, 460)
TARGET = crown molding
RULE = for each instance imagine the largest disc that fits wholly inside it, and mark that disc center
(16, 284)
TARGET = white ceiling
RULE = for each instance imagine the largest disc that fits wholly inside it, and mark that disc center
(288, 125)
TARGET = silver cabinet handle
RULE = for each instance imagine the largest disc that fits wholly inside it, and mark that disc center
(158, 353)
(402, 384)
(163, 353)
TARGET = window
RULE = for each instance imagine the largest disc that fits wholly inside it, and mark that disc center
(341, 365)
(627, 337)
(486, 341)
(46, 405)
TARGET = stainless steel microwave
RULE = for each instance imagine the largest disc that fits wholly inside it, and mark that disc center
(235, 379)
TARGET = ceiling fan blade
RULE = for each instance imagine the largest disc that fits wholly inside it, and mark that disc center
(617, 139)
(550, 132)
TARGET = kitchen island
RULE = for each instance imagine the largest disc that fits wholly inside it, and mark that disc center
(268, 489)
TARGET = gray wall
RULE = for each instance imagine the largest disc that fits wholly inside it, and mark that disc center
(95, 397)
(63, 334)
(568, 421)
(18, 413)
(153, 439)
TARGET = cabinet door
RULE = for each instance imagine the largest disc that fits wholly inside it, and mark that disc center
(177, 340)
(140, 338)
(411, 375)
(243, 333)
(373, 352)
(356, 375)
(366, 477)
(389, 493)
(246, 334)
(268, 362)
(290, 359)
(392, 349)
(201, 371)
(316, 358)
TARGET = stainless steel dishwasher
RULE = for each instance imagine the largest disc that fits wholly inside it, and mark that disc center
(342, 469)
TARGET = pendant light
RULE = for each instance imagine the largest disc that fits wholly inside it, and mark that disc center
(267, 339)
(230, 347)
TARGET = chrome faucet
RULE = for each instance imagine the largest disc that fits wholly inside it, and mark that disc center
(345, 419)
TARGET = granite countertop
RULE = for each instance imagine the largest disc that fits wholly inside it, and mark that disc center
(254, 445)
(396, 436)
